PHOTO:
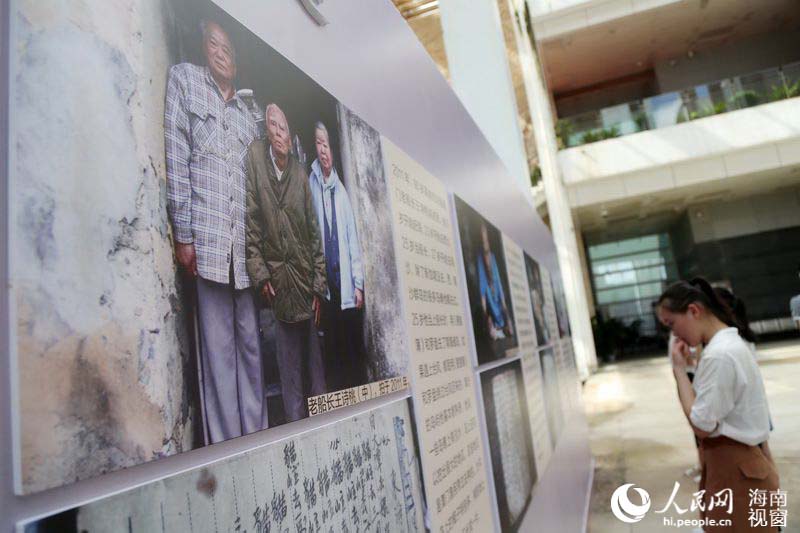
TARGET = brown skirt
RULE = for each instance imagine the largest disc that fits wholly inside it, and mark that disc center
(729, 464)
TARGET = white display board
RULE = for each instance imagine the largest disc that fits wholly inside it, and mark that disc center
(531, 369)
(452, 451)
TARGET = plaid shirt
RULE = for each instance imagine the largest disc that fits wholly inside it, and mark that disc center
(206, 141)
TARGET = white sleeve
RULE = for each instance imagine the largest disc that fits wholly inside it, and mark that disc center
(715, 388)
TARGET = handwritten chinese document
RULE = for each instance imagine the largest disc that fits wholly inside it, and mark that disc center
(360, 474)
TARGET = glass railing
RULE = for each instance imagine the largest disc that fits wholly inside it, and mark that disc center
(676, 107)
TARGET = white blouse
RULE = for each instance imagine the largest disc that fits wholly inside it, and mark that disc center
(730, 396)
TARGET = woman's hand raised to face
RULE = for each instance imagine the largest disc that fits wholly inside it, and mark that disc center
(680, 354)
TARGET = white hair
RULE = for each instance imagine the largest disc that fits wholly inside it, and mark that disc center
(318, 125)
(276, 108)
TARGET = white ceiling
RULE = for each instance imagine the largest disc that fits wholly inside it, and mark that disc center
(636, 43)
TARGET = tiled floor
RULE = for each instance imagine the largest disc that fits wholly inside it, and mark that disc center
(639, 435)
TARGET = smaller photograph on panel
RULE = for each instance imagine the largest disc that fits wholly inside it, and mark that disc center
(537, 300)
(510, 445)
(360, 474)
(561, 306)
(552, 394)
(487, 285)
(549, 305)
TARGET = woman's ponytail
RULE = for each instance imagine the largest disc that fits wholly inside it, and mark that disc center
(738, 310)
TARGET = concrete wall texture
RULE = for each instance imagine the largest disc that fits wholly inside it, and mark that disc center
(101, 347)
(364, 178)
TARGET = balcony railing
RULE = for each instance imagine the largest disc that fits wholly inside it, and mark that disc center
(667, 109)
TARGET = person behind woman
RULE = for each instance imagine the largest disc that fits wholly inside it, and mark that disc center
(726, 405)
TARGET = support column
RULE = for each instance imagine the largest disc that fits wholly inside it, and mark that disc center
(561, 223)
(480, 76)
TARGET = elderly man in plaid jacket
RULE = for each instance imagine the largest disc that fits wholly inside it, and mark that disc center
(207, 131)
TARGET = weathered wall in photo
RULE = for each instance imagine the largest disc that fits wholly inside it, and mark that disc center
(102, 349)
(362, 163)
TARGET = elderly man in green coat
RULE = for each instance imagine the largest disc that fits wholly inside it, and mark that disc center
(285, 260)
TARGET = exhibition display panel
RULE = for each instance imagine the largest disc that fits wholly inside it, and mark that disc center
(247, 291)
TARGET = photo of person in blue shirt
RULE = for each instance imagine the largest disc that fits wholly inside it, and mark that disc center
(493, 298)
(487, 285)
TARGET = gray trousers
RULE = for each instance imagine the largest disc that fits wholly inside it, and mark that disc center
(230, 358)
(299, 351)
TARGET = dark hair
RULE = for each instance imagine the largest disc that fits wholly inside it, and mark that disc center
(679, 295)
(205, 31)
(739, 311)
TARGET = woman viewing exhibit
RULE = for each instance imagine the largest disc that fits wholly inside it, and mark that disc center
(726, 406)
(739, 312)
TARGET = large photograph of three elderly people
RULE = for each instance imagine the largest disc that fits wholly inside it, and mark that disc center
(273, 231)
(285, 281)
